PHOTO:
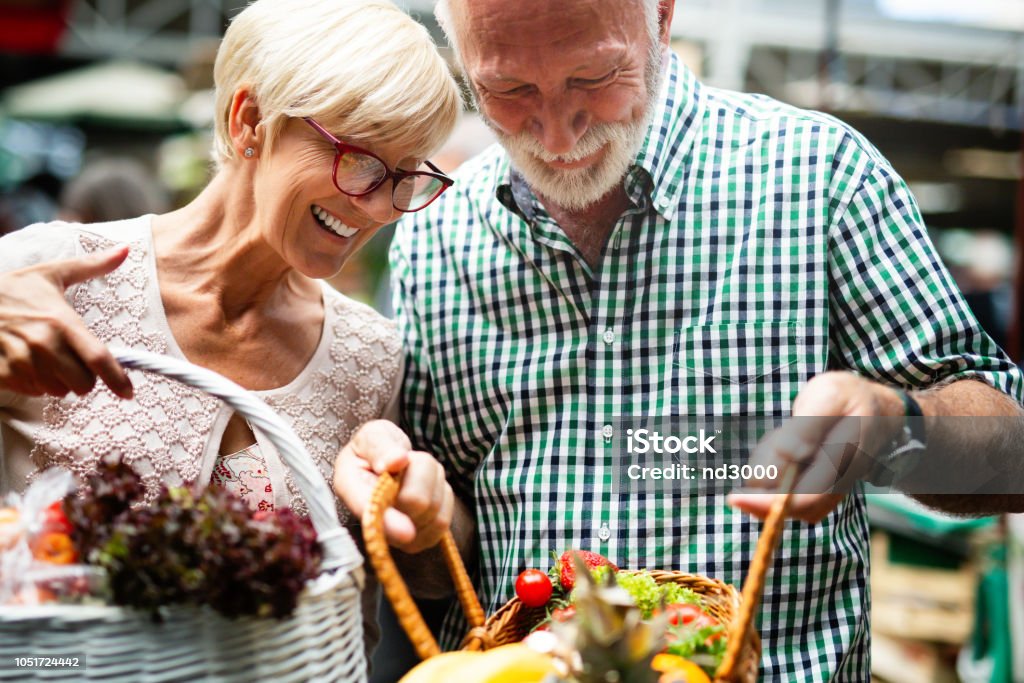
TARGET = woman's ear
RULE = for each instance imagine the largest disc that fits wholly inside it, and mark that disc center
(243, 123)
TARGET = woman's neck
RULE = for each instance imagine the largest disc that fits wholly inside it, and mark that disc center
(213, 249)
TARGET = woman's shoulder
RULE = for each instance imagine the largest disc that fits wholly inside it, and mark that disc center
(56, 240)
(355, 320)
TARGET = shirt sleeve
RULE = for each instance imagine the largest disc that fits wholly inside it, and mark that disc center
(37, 243)
(897, 315)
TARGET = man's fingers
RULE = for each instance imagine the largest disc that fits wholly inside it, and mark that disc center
(74, 270)
(96, 357)
(808, 507)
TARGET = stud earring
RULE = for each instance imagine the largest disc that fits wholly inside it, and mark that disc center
(249, 151)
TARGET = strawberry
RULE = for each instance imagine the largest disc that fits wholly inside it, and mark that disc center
(564, 572)
(563, 613)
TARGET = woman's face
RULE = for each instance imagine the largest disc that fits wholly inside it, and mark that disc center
(313, 226)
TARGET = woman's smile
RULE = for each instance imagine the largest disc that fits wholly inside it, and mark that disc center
(331, 223)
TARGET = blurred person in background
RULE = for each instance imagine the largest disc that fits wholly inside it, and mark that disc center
(111, 190)
(326, 112)
(643, 244)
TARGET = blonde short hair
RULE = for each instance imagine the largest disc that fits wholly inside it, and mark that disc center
(364, 69)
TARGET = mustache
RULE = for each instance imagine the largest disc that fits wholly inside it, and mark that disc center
(595, 139)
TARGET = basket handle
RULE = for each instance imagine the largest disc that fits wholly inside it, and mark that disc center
(753, 587)
(339, 550)
(379, 554)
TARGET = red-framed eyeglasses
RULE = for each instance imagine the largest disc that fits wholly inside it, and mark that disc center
(358, 172)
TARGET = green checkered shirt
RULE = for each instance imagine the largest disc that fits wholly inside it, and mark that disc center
(764, 245)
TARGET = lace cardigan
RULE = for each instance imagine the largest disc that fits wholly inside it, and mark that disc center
(169, 432)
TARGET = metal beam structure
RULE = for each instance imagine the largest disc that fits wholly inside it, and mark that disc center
(162, 31)
(936, 72)
(941, 72)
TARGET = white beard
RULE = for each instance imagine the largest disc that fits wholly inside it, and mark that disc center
(577, 188)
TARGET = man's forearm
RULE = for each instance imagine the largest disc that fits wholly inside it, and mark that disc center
(956, 445)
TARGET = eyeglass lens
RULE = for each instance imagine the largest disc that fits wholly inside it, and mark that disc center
(357, 173)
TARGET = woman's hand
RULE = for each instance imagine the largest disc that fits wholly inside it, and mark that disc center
(423, 510)
(45, 348)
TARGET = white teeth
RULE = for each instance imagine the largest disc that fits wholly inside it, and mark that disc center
(332, 223)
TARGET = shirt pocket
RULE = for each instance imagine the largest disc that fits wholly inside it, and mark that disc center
(750, 368)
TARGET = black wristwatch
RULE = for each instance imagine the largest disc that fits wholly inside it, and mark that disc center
(905, 450)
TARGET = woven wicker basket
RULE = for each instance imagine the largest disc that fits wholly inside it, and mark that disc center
(321, 641)
(514, 621)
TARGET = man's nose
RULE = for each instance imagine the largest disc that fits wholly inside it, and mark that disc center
(560, 123)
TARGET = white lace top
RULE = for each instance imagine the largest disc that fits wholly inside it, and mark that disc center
(169, 432)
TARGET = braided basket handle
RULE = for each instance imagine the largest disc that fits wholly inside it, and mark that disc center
(340, 551)
(379, 554)
(753, 586)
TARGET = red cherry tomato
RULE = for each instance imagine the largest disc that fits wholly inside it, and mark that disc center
(533, 588)
(55, 520)
(683, 613)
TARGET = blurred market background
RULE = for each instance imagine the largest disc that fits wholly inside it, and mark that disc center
(106, 106)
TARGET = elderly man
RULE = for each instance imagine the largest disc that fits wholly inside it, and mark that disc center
(642, 244)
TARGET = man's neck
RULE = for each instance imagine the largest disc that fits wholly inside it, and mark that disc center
(588, 229)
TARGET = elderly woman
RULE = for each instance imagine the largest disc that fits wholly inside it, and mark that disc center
(326, 112)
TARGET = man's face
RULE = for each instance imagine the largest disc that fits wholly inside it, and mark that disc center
(568, 87)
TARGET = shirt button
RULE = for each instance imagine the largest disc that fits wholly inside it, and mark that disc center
(609, 336)
(607, 432)
(604, 533)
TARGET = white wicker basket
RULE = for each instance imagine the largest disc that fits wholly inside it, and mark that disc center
(321, 641)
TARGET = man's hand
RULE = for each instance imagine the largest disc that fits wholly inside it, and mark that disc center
(838, 408)
(45, 348)
(423, 510)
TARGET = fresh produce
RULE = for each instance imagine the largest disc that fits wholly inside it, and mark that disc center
(54, 547)
(515, 663)
(608, 638)
(11, 529)
(564, 571)
(55, 520)
(676, 669)
(686, 632)
(533, 587)
(185, 548)
(442, 667)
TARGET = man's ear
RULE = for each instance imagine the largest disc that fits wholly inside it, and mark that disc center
(665, 10)
(243, 121)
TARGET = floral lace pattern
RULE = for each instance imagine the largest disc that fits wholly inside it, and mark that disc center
(161, 433)
(165, 431)
(245, 474)
(353, 387)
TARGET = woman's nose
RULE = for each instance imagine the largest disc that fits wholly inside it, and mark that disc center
(378, 204)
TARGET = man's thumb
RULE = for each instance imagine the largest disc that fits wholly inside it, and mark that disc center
(74, 270)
